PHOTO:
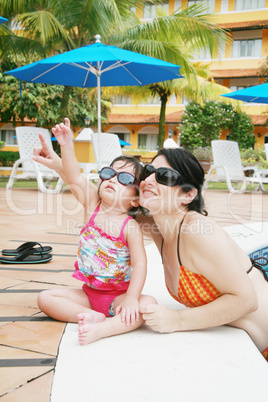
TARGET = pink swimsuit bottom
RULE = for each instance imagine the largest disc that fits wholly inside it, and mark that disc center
(102, 300)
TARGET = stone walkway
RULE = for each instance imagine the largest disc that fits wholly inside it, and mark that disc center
(29, 340)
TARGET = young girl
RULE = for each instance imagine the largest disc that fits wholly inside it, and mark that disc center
(111, 256)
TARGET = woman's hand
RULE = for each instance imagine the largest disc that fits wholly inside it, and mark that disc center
(129, 309)
(63, 133)
(160, 318)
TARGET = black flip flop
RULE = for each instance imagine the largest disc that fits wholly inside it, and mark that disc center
(27, 257)
(29, 245)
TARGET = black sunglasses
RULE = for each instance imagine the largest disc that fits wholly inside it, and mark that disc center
(125, 178)
(163, 175)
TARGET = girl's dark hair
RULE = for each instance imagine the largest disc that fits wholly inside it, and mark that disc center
(191, 171)
(130, 160)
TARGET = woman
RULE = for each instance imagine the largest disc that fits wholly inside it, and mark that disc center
(204, 268)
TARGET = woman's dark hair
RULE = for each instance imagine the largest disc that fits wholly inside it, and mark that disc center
(191, 171)
(130, 160)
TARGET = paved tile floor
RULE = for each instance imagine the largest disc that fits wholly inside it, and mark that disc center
(29, 340)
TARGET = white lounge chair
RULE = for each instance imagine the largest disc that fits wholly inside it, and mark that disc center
(107, 150)
(264, 172)
(27, 140)
(266, 151)
(87, 169)
(228, 167)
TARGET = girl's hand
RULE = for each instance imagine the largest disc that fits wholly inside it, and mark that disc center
(63, 133)
(160, 318)
(46, 156)
(129, 309)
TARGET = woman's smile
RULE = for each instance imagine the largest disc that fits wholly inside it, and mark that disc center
(148, 192)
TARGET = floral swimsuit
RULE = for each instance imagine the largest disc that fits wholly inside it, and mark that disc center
(103, 263)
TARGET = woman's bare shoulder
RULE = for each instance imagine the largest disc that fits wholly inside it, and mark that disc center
(206, 238)
(196, 224)
(204, 233)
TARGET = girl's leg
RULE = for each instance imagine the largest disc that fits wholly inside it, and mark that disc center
(113, 326)
(66, 304)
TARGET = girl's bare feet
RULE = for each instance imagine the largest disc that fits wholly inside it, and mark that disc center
(91, 317)
(89, 333)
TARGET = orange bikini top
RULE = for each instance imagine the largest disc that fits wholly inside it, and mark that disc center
(194, 289)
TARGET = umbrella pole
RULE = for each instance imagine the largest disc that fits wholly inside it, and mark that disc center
(99, 119)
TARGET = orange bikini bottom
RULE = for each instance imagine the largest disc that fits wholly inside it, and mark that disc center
(265, 354)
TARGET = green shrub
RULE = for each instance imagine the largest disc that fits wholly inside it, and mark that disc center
(200, 124)
(8, 158)
(254, 157)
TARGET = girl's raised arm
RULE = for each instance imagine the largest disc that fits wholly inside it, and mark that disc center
(48, 157)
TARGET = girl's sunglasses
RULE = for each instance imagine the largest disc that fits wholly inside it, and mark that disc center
(166, 176)
(125, 178)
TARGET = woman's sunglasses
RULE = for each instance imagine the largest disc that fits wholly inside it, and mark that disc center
(166, 176)
(125, 178)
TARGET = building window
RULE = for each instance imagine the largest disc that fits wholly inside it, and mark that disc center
(249, 4)
(153, 10)
(147, 141)
(152, 101)
(202, 54)
(8, 136)
(142, 139)
(209, 3)
(124, 137)
(234, 88)
(184, 100)
(247, 48)
(122, 100)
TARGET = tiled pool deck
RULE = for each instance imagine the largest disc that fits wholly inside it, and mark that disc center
(29, 341)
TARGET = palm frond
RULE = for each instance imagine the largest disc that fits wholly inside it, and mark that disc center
(190, 26)
(13, 46)
(44, 26)
(13, 7)
(201, 28)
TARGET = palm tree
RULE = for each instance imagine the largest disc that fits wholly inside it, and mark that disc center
(59, 26)
(180, 37)
(199, 90)
(198, 87)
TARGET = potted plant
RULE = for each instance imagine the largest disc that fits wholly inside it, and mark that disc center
(204, 155)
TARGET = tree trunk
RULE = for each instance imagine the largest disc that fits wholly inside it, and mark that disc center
(162, 121)
(64, 102)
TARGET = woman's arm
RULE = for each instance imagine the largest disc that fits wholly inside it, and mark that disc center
(216, 259)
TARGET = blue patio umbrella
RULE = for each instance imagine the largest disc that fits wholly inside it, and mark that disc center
(123, 142)
(2, 19)
(256, 94)
(98, 65)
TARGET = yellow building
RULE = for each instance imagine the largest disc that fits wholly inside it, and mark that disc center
(237, 66)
